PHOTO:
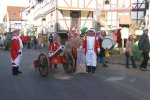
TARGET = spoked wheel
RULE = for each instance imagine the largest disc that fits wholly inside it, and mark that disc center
(69, 65)
(43, 67)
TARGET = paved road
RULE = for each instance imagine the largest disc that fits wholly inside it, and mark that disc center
(112, 83)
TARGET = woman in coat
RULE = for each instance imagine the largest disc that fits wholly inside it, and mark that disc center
(130, 52)
(40, 41)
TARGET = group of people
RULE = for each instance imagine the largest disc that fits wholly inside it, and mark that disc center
(33, 41)
(91, 43)
(144, 48)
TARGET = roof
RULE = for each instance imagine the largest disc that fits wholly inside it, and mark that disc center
(14, 13)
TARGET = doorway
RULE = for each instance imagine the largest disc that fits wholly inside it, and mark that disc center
(75, 15)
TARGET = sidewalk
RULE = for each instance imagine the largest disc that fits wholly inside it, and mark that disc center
(117, 58)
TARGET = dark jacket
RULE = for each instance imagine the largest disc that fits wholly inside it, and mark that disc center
(35, 40)
(102, 50)
(51, 39)
(144, 43)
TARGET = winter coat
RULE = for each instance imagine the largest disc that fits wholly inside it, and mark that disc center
(144, 43)
(130, 48)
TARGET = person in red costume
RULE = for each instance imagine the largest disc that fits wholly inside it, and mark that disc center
(23, 39)
(92, 48)
(16, 51)
(71, 37)
(52, 48)
(73, 33)
(28, 41)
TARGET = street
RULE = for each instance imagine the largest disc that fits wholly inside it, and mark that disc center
(112, 83)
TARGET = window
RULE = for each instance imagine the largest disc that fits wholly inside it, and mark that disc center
(75, 19)
(29, 11)
(39, 1)
(106, 1)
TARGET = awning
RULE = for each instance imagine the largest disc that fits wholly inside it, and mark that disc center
(76, 9)
(62, 33)
(124, 19)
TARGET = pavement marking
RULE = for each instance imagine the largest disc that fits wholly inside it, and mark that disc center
(116, 78)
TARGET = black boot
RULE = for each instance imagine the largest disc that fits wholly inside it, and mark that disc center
(55, 66)
(88, 68)
(19, 72)
(50, 66)
(14, 71)
(93, 69)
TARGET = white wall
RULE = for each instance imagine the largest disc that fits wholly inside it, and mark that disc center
(88, 22)
(64, 20)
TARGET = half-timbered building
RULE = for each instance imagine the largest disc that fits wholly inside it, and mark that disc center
(59, 16)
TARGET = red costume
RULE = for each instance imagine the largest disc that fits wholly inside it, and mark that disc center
(53, 47)
(28, 38)
(22, 38)
(55, 59)
(92, 47)
(16, 47)
(96, 45)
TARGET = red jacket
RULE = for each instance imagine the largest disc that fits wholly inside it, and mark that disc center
(28, 38)
(96, 45)
(22, 38)
(53, 47)
(15, 46)
(56, 59)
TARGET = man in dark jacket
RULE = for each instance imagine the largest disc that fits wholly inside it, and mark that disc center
(144, 47)
(102, 50)
(50, 39)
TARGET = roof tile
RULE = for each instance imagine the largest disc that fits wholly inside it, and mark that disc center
(14, 13)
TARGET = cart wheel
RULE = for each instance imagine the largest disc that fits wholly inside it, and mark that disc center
(68, 66)
(43, 68)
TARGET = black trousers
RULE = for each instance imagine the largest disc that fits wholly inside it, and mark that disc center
(145, 59)
(132, 60)
(28, 45)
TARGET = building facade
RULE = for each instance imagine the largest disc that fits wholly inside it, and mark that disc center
(59, 16)
(13, 18)
(115, 11)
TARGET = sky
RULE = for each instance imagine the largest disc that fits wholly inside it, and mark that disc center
(5, 3)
